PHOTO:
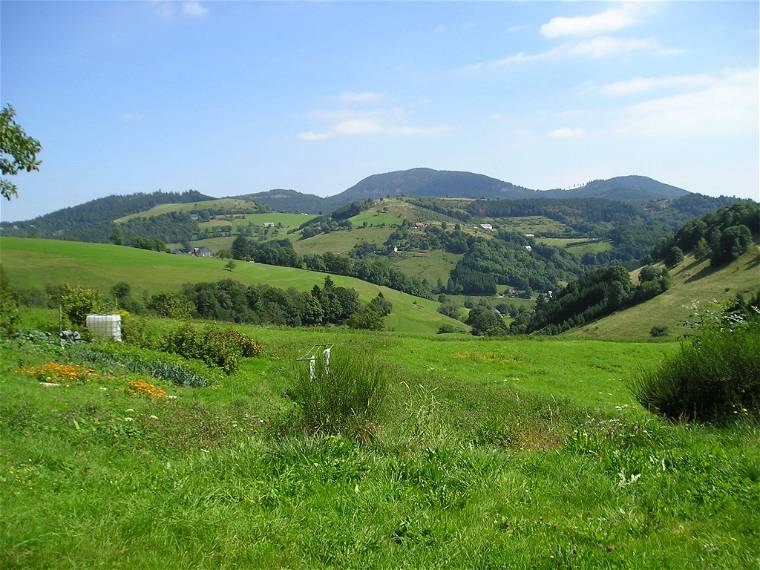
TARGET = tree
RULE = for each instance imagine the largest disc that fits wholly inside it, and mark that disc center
(381, 305)
(230, 265)
(734, 242)
(18, 151)
(368, 320)
(674, 256)
(485, 321)
(117, 236)
(702, 249)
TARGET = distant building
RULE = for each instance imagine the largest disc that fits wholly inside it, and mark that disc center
(420, 225)
(268, 224)
(488, 227)
(530, 235)
(529, 248)
(194, 217)
(201, 252)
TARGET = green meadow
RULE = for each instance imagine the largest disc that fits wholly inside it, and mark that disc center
(486, 454)
(342, 241)
(219, 203)
(39, 263)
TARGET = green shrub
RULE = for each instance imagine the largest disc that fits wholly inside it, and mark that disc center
(77, 302)
(9, 315)
(367, 319)
(658, 330)
(344, 397)
(444, 329)
(714, 378)
(157, 364)
(213, 345)
(170, 305)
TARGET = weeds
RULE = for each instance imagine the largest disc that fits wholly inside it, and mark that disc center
(345, 396)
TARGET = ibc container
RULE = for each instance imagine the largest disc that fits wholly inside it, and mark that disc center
(104, 326)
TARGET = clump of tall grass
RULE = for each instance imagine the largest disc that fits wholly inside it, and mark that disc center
(715, 378)
(342, 397)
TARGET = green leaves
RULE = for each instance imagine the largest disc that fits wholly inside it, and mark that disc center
(18, 151)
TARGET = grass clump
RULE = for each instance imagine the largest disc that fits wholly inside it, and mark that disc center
(342, 397)
(714, 378)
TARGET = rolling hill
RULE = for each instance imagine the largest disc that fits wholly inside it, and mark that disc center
(693, 282)
(39, 263)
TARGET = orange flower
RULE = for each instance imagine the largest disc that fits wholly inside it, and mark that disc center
(141, 387)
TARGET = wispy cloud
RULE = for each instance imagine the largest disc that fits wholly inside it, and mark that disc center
(168, 9)
(606, 22)
(370, 126)
(130, 116)
(194, 9)
(726, 106)
(352, 122)
(567, 133)
(648, 84)
(360, 96)
(593, 48)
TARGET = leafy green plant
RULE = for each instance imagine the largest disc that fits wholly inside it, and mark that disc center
(344, 397)
(714, 378)
(77, 302)
(658, 330)
(157, 364)
(213, 345)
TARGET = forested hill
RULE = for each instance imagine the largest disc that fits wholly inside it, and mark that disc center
(430, 183)
(86, 222)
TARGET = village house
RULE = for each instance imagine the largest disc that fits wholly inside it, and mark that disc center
(488, 227)
(201, 252)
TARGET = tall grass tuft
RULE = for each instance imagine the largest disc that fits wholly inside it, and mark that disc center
(713, 378)
(344, 397)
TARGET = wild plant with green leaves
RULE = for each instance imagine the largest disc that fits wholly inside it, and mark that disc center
(344, 396)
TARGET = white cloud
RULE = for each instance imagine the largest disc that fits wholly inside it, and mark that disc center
(646, 84)
(194, 9)
(360, 97)
(593, 48)
(130, 116)
(567, 133)
(727, 106)
(609, 21)
(370, 126)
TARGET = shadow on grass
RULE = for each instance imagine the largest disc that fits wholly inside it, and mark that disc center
(753, 262)
(704, 272)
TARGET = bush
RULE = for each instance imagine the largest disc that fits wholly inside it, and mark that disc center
(344, 397)
(658, 330)
(674, 256)
(214, 346)
(445, 329)
(158, 364)
(367, 320)
(170, 306)
(9, 315)
(77, 302)
(714, 378)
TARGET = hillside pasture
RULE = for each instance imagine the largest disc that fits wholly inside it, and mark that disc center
(578, 245)
(342, 241)
(693, 283)
(538, 225)
(220, 203)
(39, 263)
(431, 265)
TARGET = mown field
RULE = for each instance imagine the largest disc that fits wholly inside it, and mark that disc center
(287, 220)
(431, 265)
(486, 454)
(220, 203)
(694, 283)
(578, 246)
(38, 263)
(342, 241)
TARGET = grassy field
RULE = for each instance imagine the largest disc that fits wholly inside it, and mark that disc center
(692, 282)
(342, 241)
(431, 265)
(38, 263)
(393, 211)
(226, 203)
(530, 224)
(487, 454)
(288, 220)
(578, 245)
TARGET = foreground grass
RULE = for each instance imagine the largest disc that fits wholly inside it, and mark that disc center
(464, 470)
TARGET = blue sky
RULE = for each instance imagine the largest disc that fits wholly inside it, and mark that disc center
(231, 98)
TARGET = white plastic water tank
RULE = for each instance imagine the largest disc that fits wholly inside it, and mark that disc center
(104, 326)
